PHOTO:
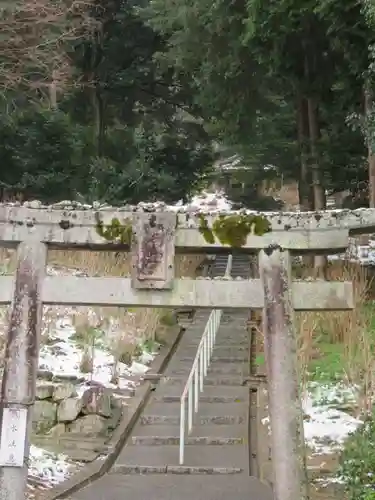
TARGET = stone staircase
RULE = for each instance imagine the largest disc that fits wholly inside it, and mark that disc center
(148, 466)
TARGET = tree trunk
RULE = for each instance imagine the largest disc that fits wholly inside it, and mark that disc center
(369, 103)
(53, 91)
(320, 262)
(304, 182)
(316, 176)
(100, 125)
(94, 56)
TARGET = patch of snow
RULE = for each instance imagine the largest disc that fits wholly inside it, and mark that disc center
(48, 467)
(141, 368)
(325, 427)
(62, 356)
(206, 201)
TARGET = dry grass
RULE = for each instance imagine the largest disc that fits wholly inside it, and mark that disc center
(350, 332)
(125, 328)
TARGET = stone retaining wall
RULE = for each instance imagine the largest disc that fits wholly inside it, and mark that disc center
(60, 410)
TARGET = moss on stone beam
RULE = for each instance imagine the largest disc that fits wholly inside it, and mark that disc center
(116, 231)
(233, 230)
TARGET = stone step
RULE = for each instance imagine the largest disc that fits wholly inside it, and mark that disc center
(221, 359)
(175, 365)
(202, 399)
(190, 440)
(163, 486)
(209, 381)
(205, 409)
(230, 359)
(228, 369)
(192, 336)
(219, 348)
(210, 394)
(219, 351)
(230, 313)
(173, 469)
(205, 431)
(224, 369)
(184, 368)
(232, 334)
(229, 342)
(229, 319)
(206, 420)
(199, 455)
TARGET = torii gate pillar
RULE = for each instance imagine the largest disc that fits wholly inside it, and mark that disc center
(284, 401)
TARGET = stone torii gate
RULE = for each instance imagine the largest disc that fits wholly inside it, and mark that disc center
(154, 235)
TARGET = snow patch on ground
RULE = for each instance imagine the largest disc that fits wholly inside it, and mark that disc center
(325, 426)
(62, 356)
(48, 467)
(327, 429)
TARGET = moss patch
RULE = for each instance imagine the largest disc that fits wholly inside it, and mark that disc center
(233, 230)
(118, 231)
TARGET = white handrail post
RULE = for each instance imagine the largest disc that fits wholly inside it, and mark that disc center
(203, 358)
(196, 389)
(201, 371)
(182, 430)
(190, 408)
(210, 343)
(205, 347)
(208, 340)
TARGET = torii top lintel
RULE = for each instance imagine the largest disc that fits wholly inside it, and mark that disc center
(75, 225)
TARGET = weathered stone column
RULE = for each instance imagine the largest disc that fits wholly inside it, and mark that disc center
(20, 369)
(280, 347)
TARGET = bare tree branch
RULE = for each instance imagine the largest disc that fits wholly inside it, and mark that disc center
(33, 38)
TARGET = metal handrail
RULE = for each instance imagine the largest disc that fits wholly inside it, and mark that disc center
(194, 383)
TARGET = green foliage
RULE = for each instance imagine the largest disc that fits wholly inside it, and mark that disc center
(329, 366)
(150, 162)
(358, 463)
(254, 63)
(150, 346)
(157, 82)
(123, 134)
(42, 153)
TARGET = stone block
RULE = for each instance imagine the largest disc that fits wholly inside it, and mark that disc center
(88, 425)
(97, 400)
(44, 415)
(64, 391)
(44, 390)
(69, 409)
